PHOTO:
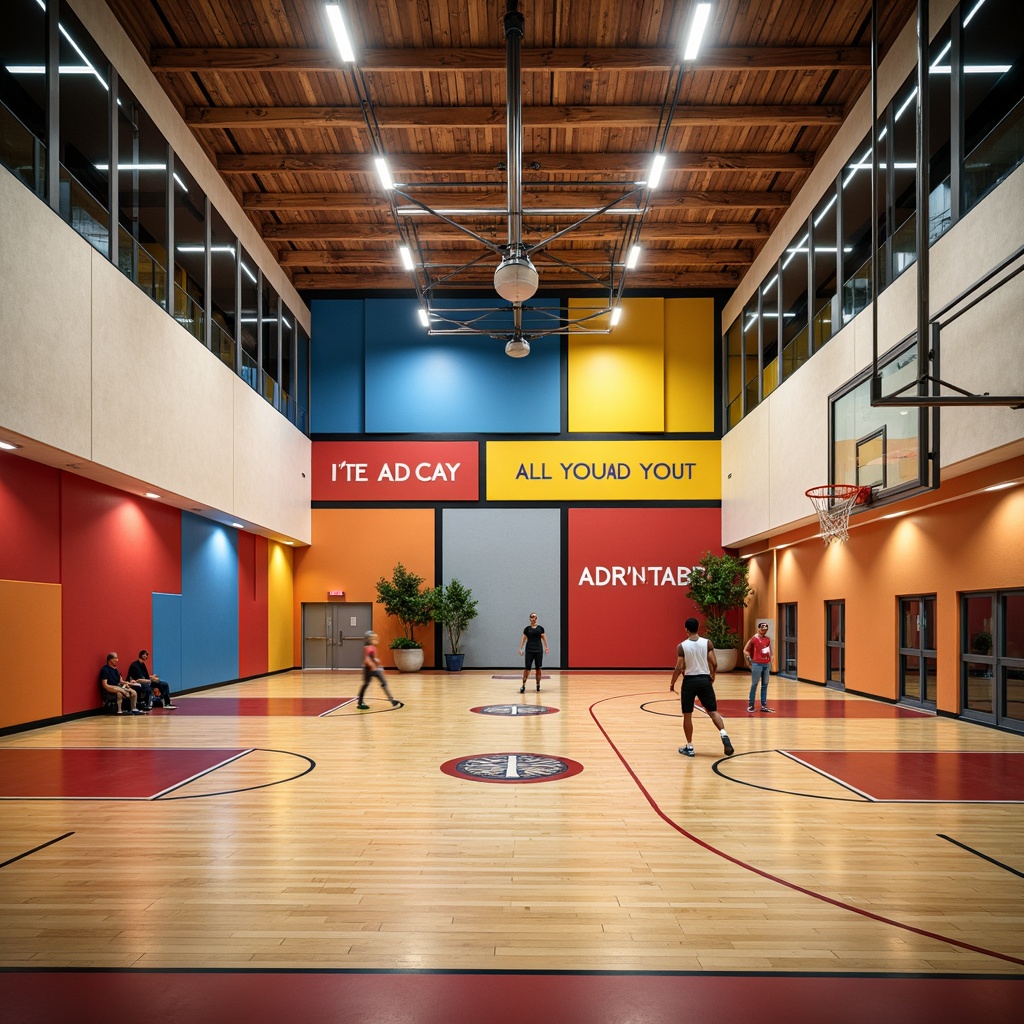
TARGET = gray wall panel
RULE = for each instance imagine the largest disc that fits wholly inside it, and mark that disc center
(511, 559)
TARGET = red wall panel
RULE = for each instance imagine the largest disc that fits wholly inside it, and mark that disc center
(29, 521)
(253, 613)
(626, 604)
(116, 550)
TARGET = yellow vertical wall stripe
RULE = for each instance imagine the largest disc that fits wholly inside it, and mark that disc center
(617, 380)
(280, 596)
(689, 365)
(30, 646)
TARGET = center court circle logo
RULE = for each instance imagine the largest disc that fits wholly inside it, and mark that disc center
(514, 710)
(512, 767)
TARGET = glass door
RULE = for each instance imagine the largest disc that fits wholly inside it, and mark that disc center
(835, 644)
(787, 627)
(917, 650)
(992, 658)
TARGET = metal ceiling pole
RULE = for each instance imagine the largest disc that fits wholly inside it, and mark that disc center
(514, 30)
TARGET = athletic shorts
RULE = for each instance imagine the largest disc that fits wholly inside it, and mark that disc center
(697, 688)
(535, 659)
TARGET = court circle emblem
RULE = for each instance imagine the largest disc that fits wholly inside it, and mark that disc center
(512, 767)
(514, 710)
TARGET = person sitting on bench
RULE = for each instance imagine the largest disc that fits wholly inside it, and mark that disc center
(138, 673)
(112, 683)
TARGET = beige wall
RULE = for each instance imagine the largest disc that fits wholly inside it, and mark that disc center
(96, 373)
(781, 449)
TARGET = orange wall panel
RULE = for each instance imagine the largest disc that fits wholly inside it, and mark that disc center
(351, 549)
(969, 543)
(30, 650)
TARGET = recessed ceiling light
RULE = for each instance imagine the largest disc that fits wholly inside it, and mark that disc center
(150, 494)
(9, 446)
(238, 526)
(1002, 487)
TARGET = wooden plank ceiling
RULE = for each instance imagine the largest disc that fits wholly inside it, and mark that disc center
(262, 87)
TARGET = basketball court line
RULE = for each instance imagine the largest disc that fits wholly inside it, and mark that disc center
(921, 776)
(808, 708)
(36, 849)
(767, 875)
(105, 773)
(258, 707)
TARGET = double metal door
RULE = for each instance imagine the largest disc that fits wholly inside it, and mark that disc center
(332, 634)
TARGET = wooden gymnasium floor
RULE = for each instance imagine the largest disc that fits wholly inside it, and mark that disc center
(268, 852)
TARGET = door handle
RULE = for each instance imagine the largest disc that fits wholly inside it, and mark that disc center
(318, 638)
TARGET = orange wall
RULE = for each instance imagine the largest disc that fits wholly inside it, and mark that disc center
(351, 549)
(30, 652)
(970, 543)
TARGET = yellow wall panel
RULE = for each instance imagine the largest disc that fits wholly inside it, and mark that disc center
(617, 380)
(30, 645)
(689, 365)
(280, 601)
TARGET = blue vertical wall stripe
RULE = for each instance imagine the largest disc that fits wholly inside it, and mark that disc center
(167, 643)
(209, 591)
(336, 366)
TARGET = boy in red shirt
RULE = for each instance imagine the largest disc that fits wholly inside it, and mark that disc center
(372, 666)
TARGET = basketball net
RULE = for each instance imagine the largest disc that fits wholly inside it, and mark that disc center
(834, 503)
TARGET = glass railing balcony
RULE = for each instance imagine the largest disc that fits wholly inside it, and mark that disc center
(999, 153)
(270, 389)
(795, 353)
(250, 371)
(84, 212)
(223, 343)
(22, 153)
(139, 266)
(189, 314)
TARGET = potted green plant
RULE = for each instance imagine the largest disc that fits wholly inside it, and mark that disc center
(718, 586)
(403, 599)
(454, 609)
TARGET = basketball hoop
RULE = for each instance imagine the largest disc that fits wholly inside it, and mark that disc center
(834, 503)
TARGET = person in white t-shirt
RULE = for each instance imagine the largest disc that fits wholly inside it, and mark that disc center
(696, 663)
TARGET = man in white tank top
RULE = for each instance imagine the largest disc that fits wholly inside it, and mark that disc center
(696, 663)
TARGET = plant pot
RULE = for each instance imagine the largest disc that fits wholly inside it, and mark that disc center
(408, 659)
(726, 659)
(453, 662)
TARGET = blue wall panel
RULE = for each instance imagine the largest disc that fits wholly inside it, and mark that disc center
(445, 385)
(209, 591)
(336, 358)
(167, 641)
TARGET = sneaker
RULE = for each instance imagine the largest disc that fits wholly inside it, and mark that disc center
(136, 711)
(171, 707)
(538, 687)
(522, 689)
(766, 710)
(363, 707)
(750, 709)
(728, 746)
(687, 750)
(396, 703)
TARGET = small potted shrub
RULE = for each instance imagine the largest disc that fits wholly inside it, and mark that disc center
(454, 609)
(403, 599)
(718, 585)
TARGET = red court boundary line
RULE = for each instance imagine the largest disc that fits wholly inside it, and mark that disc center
(775, 878)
